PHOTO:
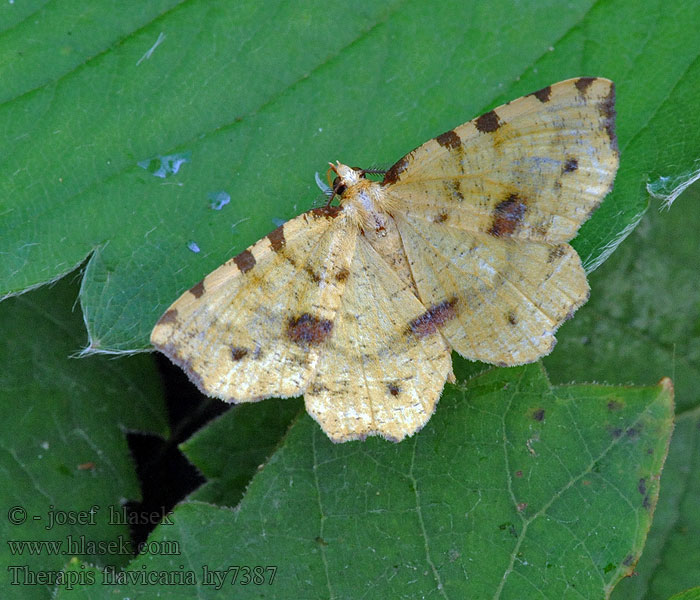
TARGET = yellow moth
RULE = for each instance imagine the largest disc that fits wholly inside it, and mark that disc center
(463, 246)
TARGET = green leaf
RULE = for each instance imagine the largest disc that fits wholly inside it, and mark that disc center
(672, 555)
(41, 41)
(256, 105)
(692, 594)
(64, 450)
(230, 450)
(513, 487)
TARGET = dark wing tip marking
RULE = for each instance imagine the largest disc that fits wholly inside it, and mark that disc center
(170, 316)
(449, 139)
(488, 122)
(437, 315)
(507, 216)
(544, 94)
(607, 111)
(392, 175)
(307, 330)
(198, 290)
(245, 261)
(276, 239)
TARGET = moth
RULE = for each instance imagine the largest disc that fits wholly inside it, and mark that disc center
(463, 246)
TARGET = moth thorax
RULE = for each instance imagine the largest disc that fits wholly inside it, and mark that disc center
(365, 202)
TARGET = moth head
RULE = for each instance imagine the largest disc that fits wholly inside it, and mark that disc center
(344, 177)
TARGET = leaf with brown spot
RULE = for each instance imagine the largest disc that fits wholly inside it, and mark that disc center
(471, 461)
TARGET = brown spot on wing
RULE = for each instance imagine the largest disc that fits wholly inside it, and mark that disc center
(394, 389)
(607, 111)
(488, 123)
(197, 290)
(307, 330)
(440, 217)
(449, 139)
(434, 317)
(556, 253)
(544, 94)
(512, 318)
(276, 238)
(453, 186)
(315, 277)
(507, 216)
(342, 275)
(170, 316)
(583, 83)
(237, 352)
(392, 175)
(245, 261)
(570, 165)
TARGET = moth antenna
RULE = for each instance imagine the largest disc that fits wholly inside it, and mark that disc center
(375, 171)
(328, 176)
(327, 191)
(320, 200)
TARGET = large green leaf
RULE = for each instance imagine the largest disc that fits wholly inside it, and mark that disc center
(671, 558)
(514, 489)
(62, 434)
(643, 321)
(248, 100)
